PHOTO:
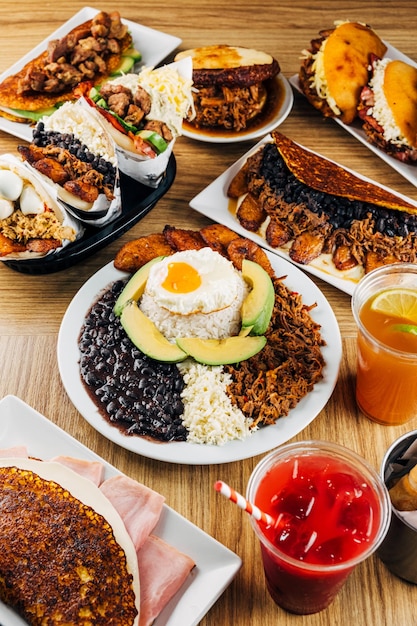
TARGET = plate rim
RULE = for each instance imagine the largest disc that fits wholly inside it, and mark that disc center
(24, 131)
(190, 453)
(280, 117)
(184, 608)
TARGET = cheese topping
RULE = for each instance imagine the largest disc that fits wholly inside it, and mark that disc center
(381, 110)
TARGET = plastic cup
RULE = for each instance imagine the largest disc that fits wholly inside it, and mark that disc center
(398, 551)
(332, 511)
(386, 378)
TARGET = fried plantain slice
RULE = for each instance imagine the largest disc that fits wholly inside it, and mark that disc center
(250, 213)
(183, 239)
(218, 237)
(134, 254)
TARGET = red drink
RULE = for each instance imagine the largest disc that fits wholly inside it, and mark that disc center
(331, 511)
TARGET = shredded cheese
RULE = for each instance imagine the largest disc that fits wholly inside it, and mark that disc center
(170, 93)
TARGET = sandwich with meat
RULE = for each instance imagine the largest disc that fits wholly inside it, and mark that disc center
(336, 67)
(32, 222)
(230, 85)
(76, 156)
(388, 109)
(92, 51)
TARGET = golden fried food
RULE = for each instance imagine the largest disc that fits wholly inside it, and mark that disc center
(133, 254)
(238, 185)
(250, 213)
(243, 248)
(218, 237)
(60, 561)
(183, 239)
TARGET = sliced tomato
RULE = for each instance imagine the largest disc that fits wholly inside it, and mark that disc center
(142, 146)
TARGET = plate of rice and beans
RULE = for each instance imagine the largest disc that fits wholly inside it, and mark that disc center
(178, 351)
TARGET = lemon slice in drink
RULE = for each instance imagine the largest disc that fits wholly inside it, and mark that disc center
(397, 302)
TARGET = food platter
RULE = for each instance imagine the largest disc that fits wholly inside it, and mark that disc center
(190, 453)
(216, 565)
(214, 203)
(153, 45)
(279, 113)
(407, 171)
(137, 201)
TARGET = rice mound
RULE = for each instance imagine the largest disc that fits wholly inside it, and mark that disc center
(216, 325)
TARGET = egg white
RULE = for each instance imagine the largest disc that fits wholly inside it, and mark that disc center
(220, 284)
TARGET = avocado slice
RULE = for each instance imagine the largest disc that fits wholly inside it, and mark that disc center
(145, 335)
(221, 351)
(135, 287)
(258, 305)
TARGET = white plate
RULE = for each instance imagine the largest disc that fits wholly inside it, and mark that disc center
(408, 171)
(216, 565)
(153, 45)
(248, 135)
(190, 453)
(214, 203)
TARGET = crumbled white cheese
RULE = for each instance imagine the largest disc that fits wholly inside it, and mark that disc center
(381, 110)
(319, 81)
(73, 119)
(209, 414)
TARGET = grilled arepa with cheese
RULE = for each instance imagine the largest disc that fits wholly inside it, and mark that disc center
(63, 561)
(230, 84)
(336, 67)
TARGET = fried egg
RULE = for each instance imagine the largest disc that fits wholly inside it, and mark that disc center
(194, 281)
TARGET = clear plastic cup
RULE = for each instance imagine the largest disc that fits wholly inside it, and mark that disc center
(332, 511)
(386, 377)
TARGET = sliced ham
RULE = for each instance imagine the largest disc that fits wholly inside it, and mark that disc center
(139, 506)
(162, 571)
(93, 470)
(19, 452)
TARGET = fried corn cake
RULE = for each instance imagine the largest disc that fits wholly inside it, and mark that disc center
(60, 561)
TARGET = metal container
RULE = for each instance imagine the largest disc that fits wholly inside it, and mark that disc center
(399, 549)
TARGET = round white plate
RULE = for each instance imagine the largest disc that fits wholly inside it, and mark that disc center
(279, 116)
(259, 442)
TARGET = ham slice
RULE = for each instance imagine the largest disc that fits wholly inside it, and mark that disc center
(139, 506)
(17, 452)
(93, 470)
(162, 571)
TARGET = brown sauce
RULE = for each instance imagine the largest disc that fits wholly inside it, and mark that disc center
(276, 94)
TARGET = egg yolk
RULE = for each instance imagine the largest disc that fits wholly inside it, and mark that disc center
(181, 278)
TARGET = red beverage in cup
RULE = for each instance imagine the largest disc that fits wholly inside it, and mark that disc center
(331, 511)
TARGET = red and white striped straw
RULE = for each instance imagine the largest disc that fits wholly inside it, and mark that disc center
(244, 504)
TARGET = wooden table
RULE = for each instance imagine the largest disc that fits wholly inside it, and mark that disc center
(32, 307)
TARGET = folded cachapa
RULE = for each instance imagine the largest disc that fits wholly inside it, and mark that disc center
(83, 564)
(336, 67)
(91, 51)
(32, 222)
(388, 108)
(321, 213)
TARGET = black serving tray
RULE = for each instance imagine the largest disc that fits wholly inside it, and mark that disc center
(137, 201)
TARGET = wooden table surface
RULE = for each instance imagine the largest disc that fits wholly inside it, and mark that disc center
(32, 307)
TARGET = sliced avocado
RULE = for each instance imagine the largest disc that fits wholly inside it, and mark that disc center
(135, 287)
(135, 54)
(129, 58)
(34, 115)
(221, 351)
(258, 305)
(145, 335)
(154, 139)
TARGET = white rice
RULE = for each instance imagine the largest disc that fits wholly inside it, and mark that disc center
(209, 414)
(215, 325)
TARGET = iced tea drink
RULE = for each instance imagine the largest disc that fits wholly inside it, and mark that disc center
(331, 511)
(385, 308)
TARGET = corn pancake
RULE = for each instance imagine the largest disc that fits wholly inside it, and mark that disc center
(61, 561)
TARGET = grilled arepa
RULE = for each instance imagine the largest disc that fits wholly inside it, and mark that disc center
(65, 555)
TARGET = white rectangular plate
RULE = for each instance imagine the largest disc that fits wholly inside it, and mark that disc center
(408, 171)
(153, 45)
(214, 203)
(216, 565)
